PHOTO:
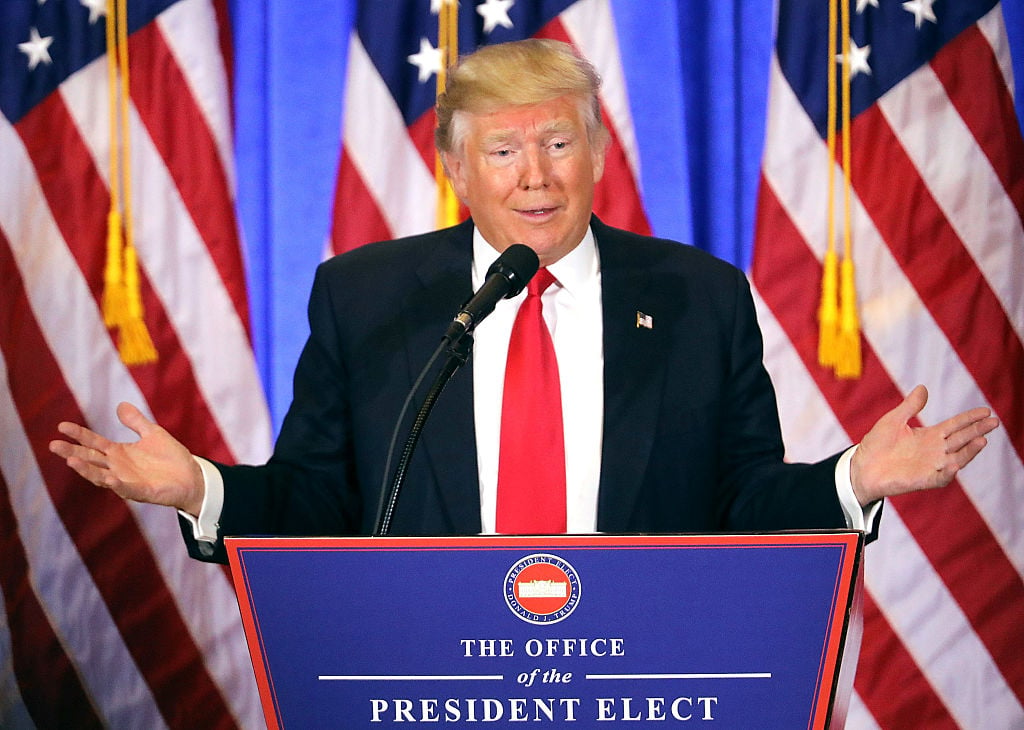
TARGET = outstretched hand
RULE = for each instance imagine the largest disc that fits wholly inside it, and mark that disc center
(157, 468)
(895, 458)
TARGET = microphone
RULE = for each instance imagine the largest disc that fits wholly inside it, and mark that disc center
(506, 278)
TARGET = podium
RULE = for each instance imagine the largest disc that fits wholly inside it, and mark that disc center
(744, 631)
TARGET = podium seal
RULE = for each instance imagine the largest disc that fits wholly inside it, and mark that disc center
(542, 589)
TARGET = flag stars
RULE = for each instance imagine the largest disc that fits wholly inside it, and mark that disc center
(427, 60)
(37, 49)
(436, 5)
(495, 13)
(96, 9)
(922, 10)
(858, 59)
(862, 5)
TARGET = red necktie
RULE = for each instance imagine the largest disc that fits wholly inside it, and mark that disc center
(531, 463)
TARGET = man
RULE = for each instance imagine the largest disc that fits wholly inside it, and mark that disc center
(669, 417)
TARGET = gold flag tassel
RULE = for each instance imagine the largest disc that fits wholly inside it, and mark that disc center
(448, 45)
(828, 309)
(848, 355)
(122, 296)
(113, 275)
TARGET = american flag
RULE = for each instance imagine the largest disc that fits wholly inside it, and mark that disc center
(107, 622)
(937, 175)
(386, 185)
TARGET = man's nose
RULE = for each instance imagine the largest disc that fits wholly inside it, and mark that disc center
(535, 171)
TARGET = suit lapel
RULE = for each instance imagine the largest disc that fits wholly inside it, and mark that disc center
(448, 441)
(636, 319)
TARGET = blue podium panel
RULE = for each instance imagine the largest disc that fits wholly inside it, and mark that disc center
(742, 630)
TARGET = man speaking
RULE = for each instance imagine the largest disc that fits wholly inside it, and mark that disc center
(622, 390)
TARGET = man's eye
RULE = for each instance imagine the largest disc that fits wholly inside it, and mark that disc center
(503, 153)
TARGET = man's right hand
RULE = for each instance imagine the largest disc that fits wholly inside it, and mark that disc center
(157, 468)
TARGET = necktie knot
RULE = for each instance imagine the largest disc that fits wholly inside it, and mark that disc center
(540, 282)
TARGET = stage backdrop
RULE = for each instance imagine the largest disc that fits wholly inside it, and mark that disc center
(105, 621)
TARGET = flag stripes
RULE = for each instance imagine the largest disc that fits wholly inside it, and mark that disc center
(132, 632)
(931, 626)
(938, 245)
(918, 704)
(950, 531)
(949, 526)
(205, 320)
(927, 248)
(50, 684)
(192, 155)
(981, 98)
(118, 559)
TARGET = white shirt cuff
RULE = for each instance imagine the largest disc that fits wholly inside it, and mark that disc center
(205, 527)
(857, 517)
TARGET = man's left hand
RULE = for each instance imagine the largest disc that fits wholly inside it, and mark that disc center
(896, 458)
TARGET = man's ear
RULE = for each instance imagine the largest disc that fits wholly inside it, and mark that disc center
(455, 170)
(598, 153)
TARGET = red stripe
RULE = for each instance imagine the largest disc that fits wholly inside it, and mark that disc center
(940, 268)
(49, 683)
(357, 218)
(945, 523)
(889, 682)
(108, 539)
(616, 198)
(227, 49)
(180, 132)
(970, 73)
(421, 132)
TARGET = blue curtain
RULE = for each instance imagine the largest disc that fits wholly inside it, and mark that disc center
(697, 75)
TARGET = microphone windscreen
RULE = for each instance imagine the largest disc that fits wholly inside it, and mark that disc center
(518, 263)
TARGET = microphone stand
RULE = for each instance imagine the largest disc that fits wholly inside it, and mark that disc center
(458, 354)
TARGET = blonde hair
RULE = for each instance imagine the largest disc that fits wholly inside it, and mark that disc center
(520, 73)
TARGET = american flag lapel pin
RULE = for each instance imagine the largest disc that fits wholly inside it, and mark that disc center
(644, 321)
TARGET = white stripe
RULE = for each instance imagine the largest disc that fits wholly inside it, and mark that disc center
(591, 27)
(13, 713)
(76, 610)
(993, 27)
(393, 172)
(935, 631)
(58, 295)
(858, 717)
(190, 29)
(183, 274)
(894, 321)
(961, 179)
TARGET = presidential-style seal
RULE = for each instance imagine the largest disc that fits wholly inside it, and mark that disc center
(542, 589)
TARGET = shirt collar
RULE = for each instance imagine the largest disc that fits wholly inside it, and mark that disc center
(574, 271)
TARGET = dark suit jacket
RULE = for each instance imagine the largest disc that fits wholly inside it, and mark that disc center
(691, 433)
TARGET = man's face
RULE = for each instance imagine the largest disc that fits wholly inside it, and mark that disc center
(527, 175)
